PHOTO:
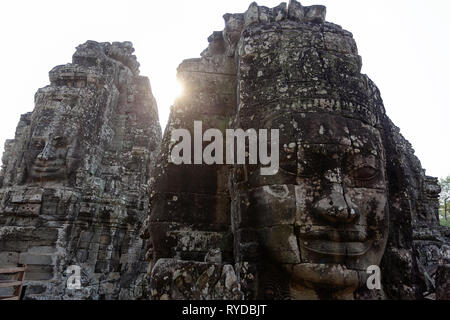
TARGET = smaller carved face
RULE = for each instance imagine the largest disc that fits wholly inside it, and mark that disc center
(49, 158)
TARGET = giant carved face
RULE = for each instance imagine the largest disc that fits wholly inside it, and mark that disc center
(322, 220)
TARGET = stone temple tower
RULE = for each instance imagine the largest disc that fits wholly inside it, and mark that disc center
(88, 185)
(349, 193)
(74, 179)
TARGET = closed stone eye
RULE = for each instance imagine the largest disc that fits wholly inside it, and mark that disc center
(58, 141)
(38, 144)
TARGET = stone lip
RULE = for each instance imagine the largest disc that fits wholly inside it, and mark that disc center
(334, 248)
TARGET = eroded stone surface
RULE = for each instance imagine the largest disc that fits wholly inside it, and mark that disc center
(74, 179)
(349, 193)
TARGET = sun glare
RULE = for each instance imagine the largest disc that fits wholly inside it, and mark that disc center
(166, 93)
(178, 90)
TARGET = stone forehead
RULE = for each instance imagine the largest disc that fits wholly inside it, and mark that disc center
(67, 117)
(323, 128)
(57, 128)
(55, 118)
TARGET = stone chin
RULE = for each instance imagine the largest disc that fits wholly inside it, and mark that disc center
(334, 279)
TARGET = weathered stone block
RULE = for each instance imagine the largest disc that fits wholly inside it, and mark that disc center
(316, 14)
(42, 250)
(35, 289)
(175, 279)
(296, 11)
(76, 175)
(9, 259)
(35, 259)
(251, 15)
(39, 272)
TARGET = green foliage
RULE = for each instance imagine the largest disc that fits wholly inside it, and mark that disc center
(445, 223)
(444, 197)
(445, 185)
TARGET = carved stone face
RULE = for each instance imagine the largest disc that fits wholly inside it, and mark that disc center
(51, 160)
(53, 149)
(323, 218)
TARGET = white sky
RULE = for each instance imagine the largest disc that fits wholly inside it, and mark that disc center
(404, 45)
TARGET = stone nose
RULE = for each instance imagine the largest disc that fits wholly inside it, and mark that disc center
(337, 207)
(48, 153)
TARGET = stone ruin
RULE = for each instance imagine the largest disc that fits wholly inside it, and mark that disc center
(74, 179)
(98, 189)
(349, 192)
